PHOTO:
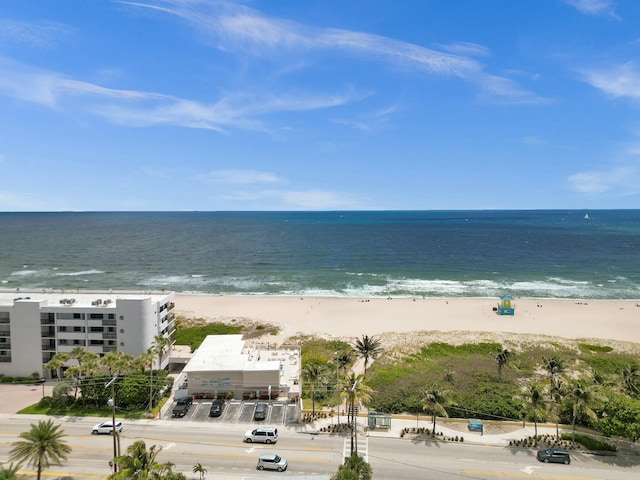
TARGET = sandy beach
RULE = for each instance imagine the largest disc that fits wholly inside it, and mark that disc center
(391, 319)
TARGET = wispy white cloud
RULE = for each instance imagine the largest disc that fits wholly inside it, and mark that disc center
(237, 27)
(313, 199)
(140, 109)
(235, 177)
(622, 180)
(467, 48)
(619, 81)
(42, 34)
(22, 201)
(594, 7)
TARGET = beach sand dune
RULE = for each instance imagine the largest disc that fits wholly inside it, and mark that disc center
(401, 319)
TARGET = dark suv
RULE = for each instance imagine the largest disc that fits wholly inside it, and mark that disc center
(554, 455)
(216, 408)
(182, 406)
(261, 412)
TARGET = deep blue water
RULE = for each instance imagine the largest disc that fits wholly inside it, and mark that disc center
(547, 253)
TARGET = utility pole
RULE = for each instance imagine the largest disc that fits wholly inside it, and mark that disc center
(353, 419)
(114, 431)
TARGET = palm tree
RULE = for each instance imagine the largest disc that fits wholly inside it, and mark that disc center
(41, 446)
(9, 472)
(554, 367)
(502, 358)
(344, 359)
(316, 374)
(435, 400)
(356, 393)
(354, 467)
(198, 468)
(367, 348)
(533, 405)
(57, 362)
(631, 379)
(160, 346)
(558, 391)
(117, 362)
(138, 463)
(585, 398)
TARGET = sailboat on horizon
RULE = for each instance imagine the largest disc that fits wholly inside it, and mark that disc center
(586, 216)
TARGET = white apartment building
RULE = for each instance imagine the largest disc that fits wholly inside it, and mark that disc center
(34, 326)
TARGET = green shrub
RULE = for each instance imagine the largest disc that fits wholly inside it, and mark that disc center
(591, 443)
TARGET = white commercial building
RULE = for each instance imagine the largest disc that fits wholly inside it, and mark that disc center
(34, 326)
(226, 363)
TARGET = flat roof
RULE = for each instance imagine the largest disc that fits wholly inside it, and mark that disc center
(227, 352)
(81, 298)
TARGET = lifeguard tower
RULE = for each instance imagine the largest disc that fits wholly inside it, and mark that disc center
(506, 306)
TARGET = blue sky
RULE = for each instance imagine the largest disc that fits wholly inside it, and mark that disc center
(319, 104)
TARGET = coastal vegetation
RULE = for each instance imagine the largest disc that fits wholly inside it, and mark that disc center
(573, 383)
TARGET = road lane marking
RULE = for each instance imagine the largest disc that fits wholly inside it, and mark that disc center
(526, 475)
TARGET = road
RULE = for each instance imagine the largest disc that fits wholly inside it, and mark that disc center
(220, 449)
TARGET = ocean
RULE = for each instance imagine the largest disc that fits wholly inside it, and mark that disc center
(544, 253)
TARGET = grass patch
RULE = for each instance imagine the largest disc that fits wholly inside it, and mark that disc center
(586, 347)
(194, 336)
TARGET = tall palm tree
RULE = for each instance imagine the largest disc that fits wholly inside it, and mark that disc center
(57, 362)
(584, 397)
(435, 400)
(533, 405)
(41, 446)
(502, 358)
(317, 375)
(356, 392)
(160, 346)
(554, 367)
(138, 463)
(558, 391)
(344, 359)
(199, 469)
(367, 348)
(117, 362)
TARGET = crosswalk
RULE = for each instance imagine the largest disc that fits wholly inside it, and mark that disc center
(362, 447)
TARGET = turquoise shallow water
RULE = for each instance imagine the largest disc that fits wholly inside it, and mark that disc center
(547, 253)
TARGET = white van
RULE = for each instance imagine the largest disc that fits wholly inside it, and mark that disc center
(262, 435)
(271, 461)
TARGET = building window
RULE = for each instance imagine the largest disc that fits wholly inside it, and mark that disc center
(96, 316)
(78, 329)
(62, 329)
(78, 315)
(112, 316)
(96, 329)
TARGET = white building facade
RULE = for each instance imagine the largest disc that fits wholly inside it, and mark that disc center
(34, 326)
(226, 364)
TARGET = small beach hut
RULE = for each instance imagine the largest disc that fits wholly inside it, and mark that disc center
(506, 306)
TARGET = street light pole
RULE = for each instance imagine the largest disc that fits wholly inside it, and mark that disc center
(114, 431)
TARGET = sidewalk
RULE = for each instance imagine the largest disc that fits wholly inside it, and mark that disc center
(496, 433)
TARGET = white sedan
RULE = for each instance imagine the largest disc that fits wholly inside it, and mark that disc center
(106, 427)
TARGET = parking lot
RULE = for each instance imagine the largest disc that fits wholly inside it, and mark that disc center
(238, 411)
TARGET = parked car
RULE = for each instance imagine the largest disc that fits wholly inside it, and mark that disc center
(217, 407)
(182, 406)
(261, 412)
(106, 427)
(554, 455)
(262, 435)
(271, 461)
